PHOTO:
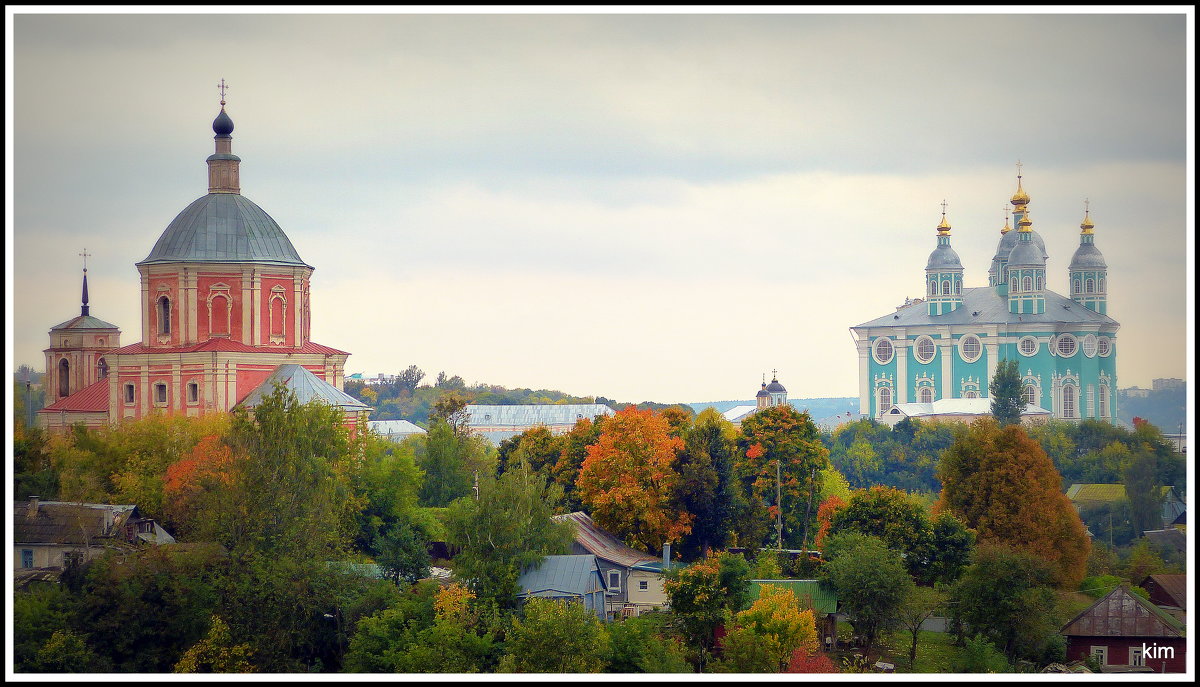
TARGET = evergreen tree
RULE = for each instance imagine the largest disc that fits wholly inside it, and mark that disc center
(1005, 390)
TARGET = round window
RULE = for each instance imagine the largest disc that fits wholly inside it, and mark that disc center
(883, 350)
(1089, 345)
(1103, 346)
(924, 349)
(970, 348)
(1066, 344)
(1028, 345)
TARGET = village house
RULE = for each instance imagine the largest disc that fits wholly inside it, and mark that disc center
(1168, 592)
(1123, 632)
(633, 578)
(1090, 495)
(54, 534)
(566, 578)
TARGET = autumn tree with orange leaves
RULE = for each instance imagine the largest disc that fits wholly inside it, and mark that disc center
(1000, 483)
(628, 479)
(785, 435)
(207, 467)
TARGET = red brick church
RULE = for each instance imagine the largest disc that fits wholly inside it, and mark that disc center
(225, 306)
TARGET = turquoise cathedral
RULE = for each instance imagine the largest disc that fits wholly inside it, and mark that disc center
(947, 344)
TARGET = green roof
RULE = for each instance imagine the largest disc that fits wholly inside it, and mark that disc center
(223, 227)
(824, 598)
(1102, 492)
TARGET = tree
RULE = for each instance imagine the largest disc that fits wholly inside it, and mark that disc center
(570, 460)
(452, 409)
(451, 463)
(410, 378)
(628, 480)
(1007, 396)
(870, 580)
(1005, 596)
(1001, 484)
(784, 435)
(506, 528)
(810, 662)
(452, 644)
(216, 653)
(701, 594)
(919, 606)
(706, 487)
(1143, 491)
(642, 644)
(763, 638)
(555, 637)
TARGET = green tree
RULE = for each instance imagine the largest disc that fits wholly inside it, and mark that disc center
(380, 641)
(37, 614)
(706, 486)
(410, 378)
(1143, 491)
(981, 656)
(68, 652)
(643, 644)
(920, 605)
(702, 592)
(870, 580)
(444, 461)
(1006, 393)
(1005, 595)
(506, 528)
(555, 637)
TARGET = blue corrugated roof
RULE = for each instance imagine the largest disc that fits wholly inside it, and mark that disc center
(306, 386)
(564, 575)
(223, 227)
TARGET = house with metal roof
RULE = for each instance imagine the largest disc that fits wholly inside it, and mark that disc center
(1085, 495)
(51, 534)
(1168, 592)
(633, 578)
(395, 430)
(1125, 633)
(821, 598)
(948, 344)
(499, 422)
(566, 578)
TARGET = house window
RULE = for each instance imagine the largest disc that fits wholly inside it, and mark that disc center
(160, 394)
(1100, 653)
(26, 558)
(193, 392)
(129, 393)
(643, 585)
(72, 558)
(164, 315)
(614, 579)
(1136, 658)
(945, 288)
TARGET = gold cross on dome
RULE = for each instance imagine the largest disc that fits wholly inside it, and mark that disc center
(1018, 169)
(85, 255)
(222, 88)
(1086, 205)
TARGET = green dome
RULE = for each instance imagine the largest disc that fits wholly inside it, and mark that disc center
(224, 227)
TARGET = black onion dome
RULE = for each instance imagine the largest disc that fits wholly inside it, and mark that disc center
(223, 125)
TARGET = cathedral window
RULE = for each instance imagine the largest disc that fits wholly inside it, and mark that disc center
(1028, 345)
(1101, 285)
(1012, 285)
(1070, 401)
(160, 394)
(218, 319)
(957, 288)
(885, 399)
(1075, 286)
(1089, 345)
(971, 394)
(101, 368)
(945, 288)
(276, 312)
(924, 349)
(1027, 284)
(129, 394)
(1037, 282)
(970, 348)
(1103, 346)
(1089, 286)
(925, 395)
(1103, 400)
(193, 392)
(164, 315)
(1030, 394)
(1066, 345)
(64, 378)
(883, 350)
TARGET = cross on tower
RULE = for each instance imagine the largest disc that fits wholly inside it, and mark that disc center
(85, 255)
(1086, 206)
(943, 207)
(222, 88)
(774, 374)
(1018, 169)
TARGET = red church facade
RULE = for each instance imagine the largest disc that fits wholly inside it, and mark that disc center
(224, 303)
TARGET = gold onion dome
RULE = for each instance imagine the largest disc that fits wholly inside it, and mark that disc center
(1006, 228)
(1020, 197)
(1086, 226)
(944, 226)
(1025, 223)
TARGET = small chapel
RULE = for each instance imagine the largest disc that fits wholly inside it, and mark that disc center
(224, 317)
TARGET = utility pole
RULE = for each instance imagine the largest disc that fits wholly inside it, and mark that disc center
(1110, 530)
(812, 477)
(778, 507)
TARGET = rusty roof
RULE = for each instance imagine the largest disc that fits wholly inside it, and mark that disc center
(603, 545)
(89, 399)
(58, 522)
(1174, 586)
(1121, 613)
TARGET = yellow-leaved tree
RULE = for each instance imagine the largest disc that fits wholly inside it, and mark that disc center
(763, 638)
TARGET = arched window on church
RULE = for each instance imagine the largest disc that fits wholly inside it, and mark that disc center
(277, 310)
(945, 288)
(885, 399)
(1103, 400)
(933, 287)
(219, 321)
(64, 378)
(1075, 286)
(101, 369)
(164, 315)
(1101, 285)
(1037, 282)
(1070, 401)
(1089, 286)
(957, 288)
(926, 395)
(1030, 394)
(1027, 284)
(1012, 285)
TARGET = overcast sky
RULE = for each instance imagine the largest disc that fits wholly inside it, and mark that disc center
(639, 207)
